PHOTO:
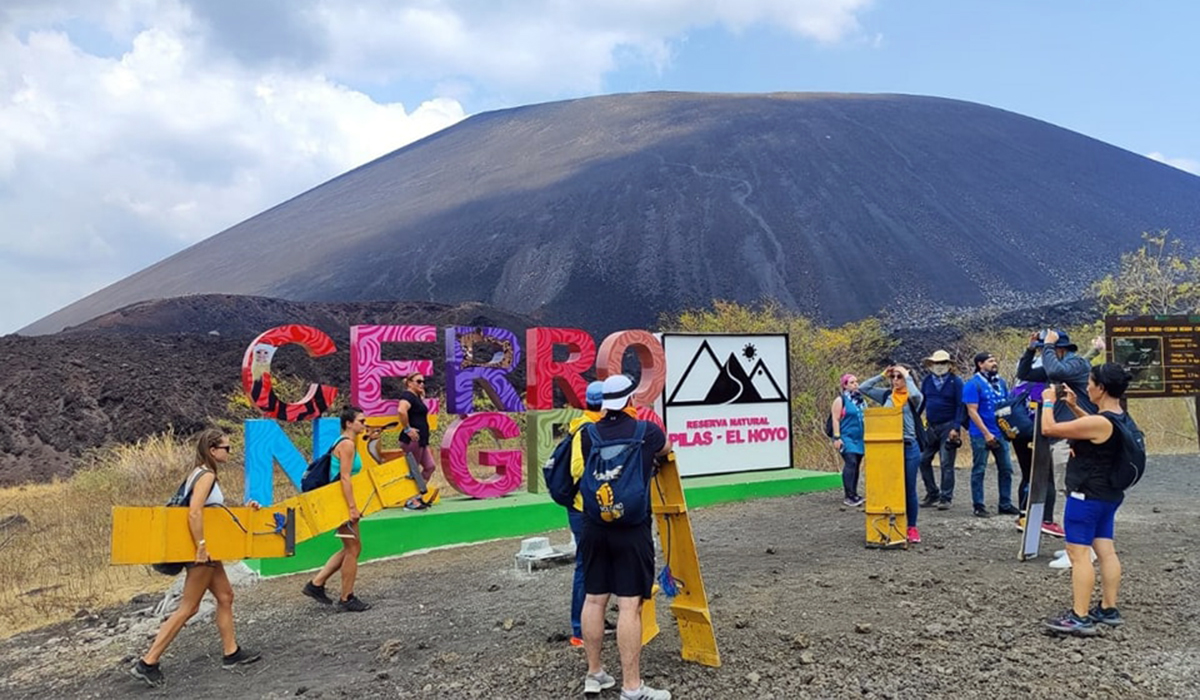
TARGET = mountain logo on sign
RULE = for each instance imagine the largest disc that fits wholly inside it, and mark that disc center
(708, 382)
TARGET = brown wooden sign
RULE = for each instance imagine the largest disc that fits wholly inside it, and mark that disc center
(1161, 352)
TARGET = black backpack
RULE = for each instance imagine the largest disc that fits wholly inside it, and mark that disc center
(317, 473)
(181, 499)
(1130, 462)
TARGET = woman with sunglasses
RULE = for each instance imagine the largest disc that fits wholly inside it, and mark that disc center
(414, 435)
(203, 574)
(343, 464)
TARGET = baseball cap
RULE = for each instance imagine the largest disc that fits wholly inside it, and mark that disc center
(617, 390)
(594, 396)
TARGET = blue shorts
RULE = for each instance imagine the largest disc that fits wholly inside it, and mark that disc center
(1087, 520)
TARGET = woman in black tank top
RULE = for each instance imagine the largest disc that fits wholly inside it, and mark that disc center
(1092, 501)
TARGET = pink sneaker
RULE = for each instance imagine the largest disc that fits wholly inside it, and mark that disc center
(1052, 529)
(914, 535)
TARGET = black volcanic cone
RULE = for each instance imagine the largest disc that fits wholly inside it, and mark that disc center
(660, 202)
(733, 385)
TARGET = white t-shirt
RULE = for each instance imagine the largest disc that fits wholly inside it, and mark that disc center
(215, 497)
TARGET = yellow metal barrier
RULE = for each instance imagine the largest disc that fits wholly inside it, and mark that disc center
(883, 473)
(690, 605)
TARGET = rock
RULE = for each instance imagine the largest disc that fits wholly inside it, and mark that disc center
(753, 677)
(1075, 657)
(862, 627)
(382, 676)
(741, 623)
(807, 658)
(934, 629)
(389, 649)
(302, 690)
(507, 624)
(13, 520)
(770, 550)
(800, 641)
(493, 588)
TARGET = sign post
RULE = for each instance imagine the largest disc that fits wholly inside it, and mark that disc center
(1161, 352)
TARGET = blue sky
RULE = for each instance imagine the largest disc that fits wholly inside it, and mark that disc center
(130, 129)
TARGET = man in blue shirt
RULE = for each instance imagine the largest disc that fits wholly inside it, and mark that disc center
(982, 393)
(946, 414)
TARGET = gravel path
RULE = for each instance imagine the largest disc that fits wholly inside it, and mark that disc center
(801, 610)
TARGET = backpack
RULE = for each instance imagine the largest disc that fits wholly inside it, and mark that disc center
(557, 472)
(182, 498)
(1130, 463)
(1012, 415)
(613, 485)
(829, 417)
(317, 473)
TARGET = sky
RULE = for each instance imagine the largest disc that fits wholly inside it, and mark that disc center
(131, 129)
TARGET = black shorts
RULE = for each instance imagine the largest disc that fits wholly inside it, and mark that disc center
(618, 560)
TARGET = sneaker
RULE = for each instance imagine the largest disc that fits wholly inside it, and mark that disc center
(645, 693)
(1053, 529)
(317, 593)
(1108, 616)
(1070, 623)
(575, 642)
(850, 502)
(240, 657)
(1009, 509)
(352, 604)
(914, 535)
(149, 673)
(1063, 562)
(415, 503)
(1060, 553)
(930, 500)
(593, 683)
(1021, 523)
(981, 512)
(943, 505)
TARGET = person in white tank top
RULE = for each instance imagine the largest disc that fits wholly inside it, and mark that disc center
(203, 574)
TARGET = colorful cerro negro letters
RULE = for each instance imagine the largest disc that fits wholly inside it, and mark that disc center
(476, 357)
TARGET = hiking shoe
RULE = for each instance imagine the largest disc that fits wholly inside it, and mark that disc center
(1009, 509)
(645, 693)
(1021, 523)
(575, 642)
(149, 673)
(1108, 616)
(1070, 623)
(352, 604)
(240, 657)
(317, 593)
(981, 512)
(1053, 529)
(593, 683)
(415, 503)
(914, 535)
(943, 505)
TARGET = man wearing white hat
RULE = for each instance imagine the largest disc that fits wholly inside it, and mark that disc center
(946, 414)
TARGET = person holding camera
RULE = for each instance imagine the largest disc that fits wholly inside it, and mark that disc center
(1096, 445)
(946, 414)
(982, 393)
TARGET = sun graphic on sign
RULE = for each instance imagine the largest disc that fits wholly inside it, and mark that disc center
(749, 351)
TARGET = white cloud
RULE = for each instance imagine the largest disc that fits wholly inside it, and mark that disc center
(130, 129)
(1190, 165)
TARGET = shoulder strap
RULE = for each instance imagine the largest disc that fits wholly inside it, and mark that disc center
(336, 443)
(639, 433)
(191, 482)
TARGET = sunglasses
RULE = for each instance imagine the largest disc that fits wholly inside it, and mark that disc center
(417, 381)
(361, 420)
(222, 447)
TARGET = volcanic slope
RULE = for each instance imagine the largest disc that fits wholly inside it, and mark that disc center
(604, 212)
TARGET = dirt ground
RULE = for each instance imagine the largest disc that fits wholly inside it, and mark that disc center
(801, 610)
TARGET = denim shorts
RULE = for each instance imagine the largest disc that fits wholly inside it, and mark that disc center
(1085, 520)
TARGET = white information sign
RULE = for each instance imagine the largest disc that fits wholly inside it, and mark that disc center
(726, 404)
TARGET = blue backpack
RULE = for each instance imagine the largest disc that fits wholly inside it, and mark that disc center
(557, 472)
(317, 473)
(613, 483)
(1013, 416)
